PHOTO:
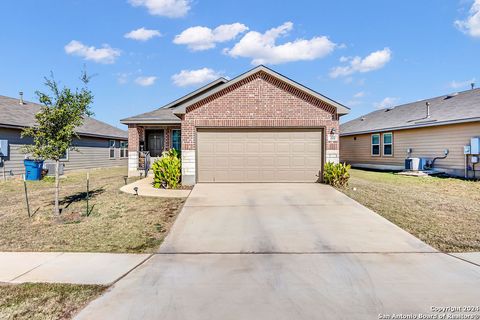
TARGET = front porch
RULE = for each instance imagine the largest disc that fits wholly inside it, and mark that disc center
(152, 138)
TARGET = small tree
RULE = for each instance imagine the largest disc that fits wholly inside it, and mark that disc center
(62, 112)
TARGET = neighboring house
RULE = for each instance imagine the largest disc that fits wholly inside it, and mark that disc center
(259, 126)
(384, 138)
(100, 144)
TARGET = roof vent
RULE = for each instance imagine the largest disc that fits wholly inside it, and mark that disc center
(428, 109)
(472, 85)
(20, 101)
(362, 119)
(388, 109)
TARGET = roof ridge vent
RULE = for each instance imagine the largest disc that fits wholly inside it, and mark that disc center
(450, 96)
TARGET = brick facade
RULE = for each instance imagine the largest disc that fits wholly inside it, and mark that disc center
(259, 101)
(135, 134)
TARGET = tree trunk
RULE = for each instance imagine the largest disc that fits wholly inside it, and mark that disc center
(57, 187)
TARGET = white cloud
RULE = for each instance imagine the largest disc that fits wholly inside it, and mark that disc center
(461, 84)
(471, 25)
(106, 54)
(388, 102)
(145, 81)
(374, 61)
(122, 78)
(166, 8)
(203, 38)
(262, 47)
(195, 77)
(142, 34)
(359, 94)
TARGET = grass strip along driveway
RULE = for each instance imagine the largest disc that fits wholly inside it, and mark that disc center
(443, 212)
(118, 222)
(45, 301)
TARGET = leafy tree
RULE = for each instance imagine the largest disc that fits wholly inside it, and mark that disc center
(62, 112)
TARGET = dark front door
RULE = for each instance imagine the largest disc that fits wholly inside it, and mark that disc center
(155, 142)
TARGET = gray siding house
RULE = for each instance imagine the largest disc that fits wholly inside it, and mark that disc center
(100, 144)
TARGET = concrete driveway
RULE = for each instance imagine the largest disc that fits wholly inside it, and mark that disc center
(286, 251)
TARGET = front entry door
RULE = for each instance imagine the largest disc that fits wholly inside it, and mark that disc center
(155, 143)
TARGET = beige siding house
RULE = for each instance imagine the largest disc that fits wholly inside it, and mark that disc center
(100, 144)
(426, 129)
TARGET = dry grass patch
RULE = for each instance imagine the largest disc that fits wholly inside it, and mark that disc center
(45, 301)
(118, 222)
(443, 212)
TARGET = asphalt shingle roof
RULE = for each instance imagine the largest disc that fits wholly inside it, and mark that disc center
(454, 108)
(13, 114)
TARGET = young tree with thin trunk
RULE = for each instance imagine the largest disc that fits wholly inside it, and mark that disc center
(63, 111)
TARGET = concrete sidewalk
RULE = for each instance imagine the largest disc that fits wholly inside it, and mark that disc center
(61, 267)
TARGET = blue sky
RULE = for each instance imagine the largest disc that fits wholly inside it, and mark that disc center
(364, 54)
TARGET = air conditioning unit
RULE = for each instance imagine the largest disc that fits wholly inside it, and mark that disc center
(50, 167)
(416, 164)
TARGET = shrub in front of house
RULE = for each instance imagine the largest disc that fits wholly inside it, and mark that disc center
(167, 170)
(336, 174)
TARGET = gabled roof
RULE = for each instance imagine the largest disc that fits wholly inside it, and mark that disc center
(16, 115)
(169, 113)
(165, 113)
(341, 109)
(447, 109)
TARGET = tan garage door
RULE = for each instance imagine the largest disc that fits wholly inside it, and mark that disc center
(259, 155)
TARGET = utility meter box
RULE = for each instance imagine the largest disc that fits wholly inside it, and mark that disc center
(475, 145)
(466, 150)
(4, 148)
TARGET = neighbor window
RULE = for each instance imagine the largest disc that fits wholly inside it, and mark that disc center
(111, 145)
(388, 144)
(375, 144)
(177, 140)
(64, 157)
(123, 149)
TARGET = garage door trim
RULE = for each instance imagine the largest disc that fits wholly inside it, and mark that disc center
(321, 128)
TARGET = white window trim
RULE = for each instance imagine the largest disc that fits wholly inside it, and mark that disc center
(110, 149)
(124, 149)
(171, 142)
(379, 145)
(383, 144)
(67, 156)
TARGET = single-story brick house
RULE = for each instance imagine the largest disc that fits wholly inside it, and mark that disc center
(425, 129)
(100, 144)
(258, 127)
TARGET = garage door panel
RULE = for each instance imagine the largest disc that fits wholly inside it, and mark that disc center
(253, 147)
(282, 161)
(283, 147)
(259, 155)
(268, 147)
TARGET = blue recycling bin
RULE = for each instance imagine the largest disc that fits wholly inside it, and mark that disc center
(33, 169)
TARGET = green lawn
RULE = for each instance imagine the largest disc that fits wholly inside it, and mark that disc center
(45, 301)
(443, 212)
(119, 222)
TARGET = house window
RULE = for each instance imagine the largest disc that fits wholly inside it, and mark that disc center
(375, 144)
(64, 157)
(123, 149)
(177, 140)
(388, 144)
(111, 146)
